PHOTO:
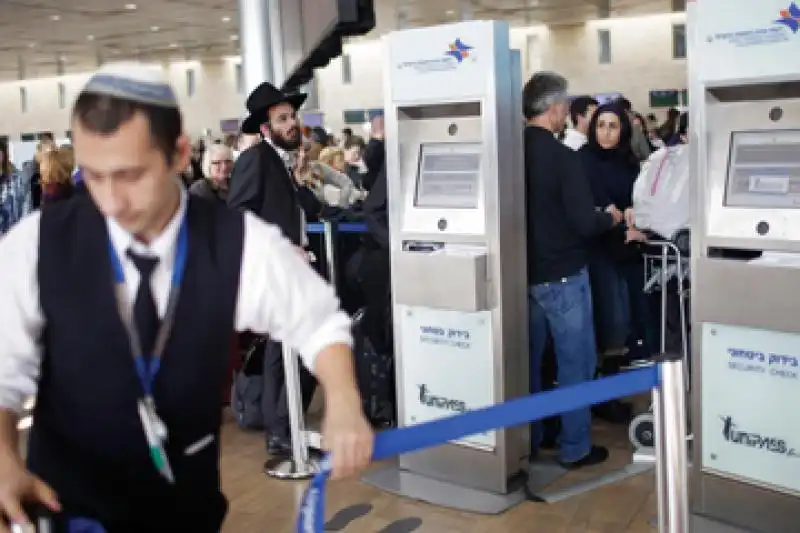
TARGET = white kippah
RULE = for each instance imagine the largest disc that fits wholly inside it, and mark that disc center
(133, 81)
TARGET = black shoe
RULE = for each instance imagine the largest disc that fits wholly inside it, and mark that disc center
(597, 455)
(277, 445)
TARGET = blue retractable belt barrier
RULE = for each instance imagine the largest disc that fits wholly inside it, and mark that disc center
(84, 525)
(342, 227)
(393, 442)
(352, 227)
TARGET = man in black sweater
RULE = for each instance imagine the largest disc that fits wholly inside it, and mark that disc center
(561, 220)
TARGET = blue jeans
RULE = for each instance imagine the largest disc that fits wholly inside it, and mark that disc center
(565, 308)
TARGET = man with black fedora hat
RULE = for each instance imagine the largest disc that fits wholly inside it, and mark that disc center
(263, 182)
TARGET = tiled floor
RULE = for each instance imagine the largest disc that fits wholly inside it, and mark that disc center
(262, 505)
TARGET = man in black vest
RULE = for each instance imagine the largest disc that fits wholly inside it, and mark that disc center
(263, 182)
(117, 314)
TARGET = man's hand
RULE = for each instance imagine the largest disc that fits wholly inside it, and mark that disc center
(634, 235)
(19, 487)
(630, 220)
(346, 434)
(616, 213)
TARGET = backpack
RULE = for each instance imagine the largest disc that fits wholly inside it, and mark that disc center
(247, 387)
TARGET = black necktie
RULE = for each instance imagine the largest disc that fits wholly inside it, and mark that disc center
(145, 313)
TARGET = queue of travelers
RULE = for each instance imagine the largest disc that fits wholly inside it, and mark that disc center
(586, 272)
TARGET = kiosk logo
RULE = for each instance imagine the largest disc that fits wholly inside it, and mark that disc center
(460, 51)
(456, 53)
(732, 434)
(790, 17)
(440, 402)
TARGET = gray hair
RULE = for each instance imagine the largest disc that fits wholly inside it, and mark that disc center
(213, 151)
(542, 91)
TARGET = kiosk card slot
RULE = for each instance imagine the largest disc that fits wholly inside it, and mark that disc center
(422, 246)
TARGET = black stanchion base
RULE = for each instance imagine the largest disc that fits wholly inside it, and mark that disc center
(285, 468)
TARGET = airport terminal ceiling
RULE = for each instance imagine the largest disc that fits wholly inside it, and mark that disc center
(40, 38)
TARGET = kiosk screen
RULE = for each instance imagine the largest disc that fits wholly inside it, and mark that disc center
(764, 170)
(449, 176)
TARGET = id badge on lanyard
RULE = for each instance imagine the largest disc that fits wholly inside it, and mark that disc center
(155, 431)
(156, 434)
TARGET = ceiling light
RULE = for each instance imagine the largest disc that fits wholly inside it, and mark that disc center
(234, 37)
(173, 45)
(451, 12)
(90, 37)
(31, 45)
(226, 19)
(55, 18)
(154, 28)
(130, 7)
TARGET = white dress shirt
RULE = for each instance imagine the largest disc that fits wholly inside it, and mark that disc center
(574, 139)
(279, 295)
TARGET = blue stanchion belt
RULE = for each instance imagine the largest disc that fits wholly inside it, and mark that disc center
(390, 443)
(342, 227)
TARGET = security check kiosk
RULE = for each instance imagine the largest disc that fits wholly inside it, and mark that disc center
(456, 200)
(745, 132)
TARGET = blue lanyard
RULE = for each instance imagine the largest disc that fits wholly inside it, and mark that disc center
(147, 369)
(394, 442)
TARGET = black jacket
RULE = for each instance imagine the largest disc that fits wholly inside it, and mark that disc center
(260, 183)
(374, 159)
(376, 216)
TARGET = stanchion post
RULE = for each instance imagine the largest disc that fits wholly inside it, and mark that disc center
(330, 251)
(669, 408)
(664, 282)
(658, 445)
(294, 400)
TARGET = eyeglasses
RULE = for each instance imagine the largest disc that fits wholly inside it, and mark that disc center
(223, 161)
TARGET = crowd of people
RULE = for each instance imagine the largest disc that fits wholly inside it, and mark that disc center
(586, 269)
(46, 179)
(585, 280)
